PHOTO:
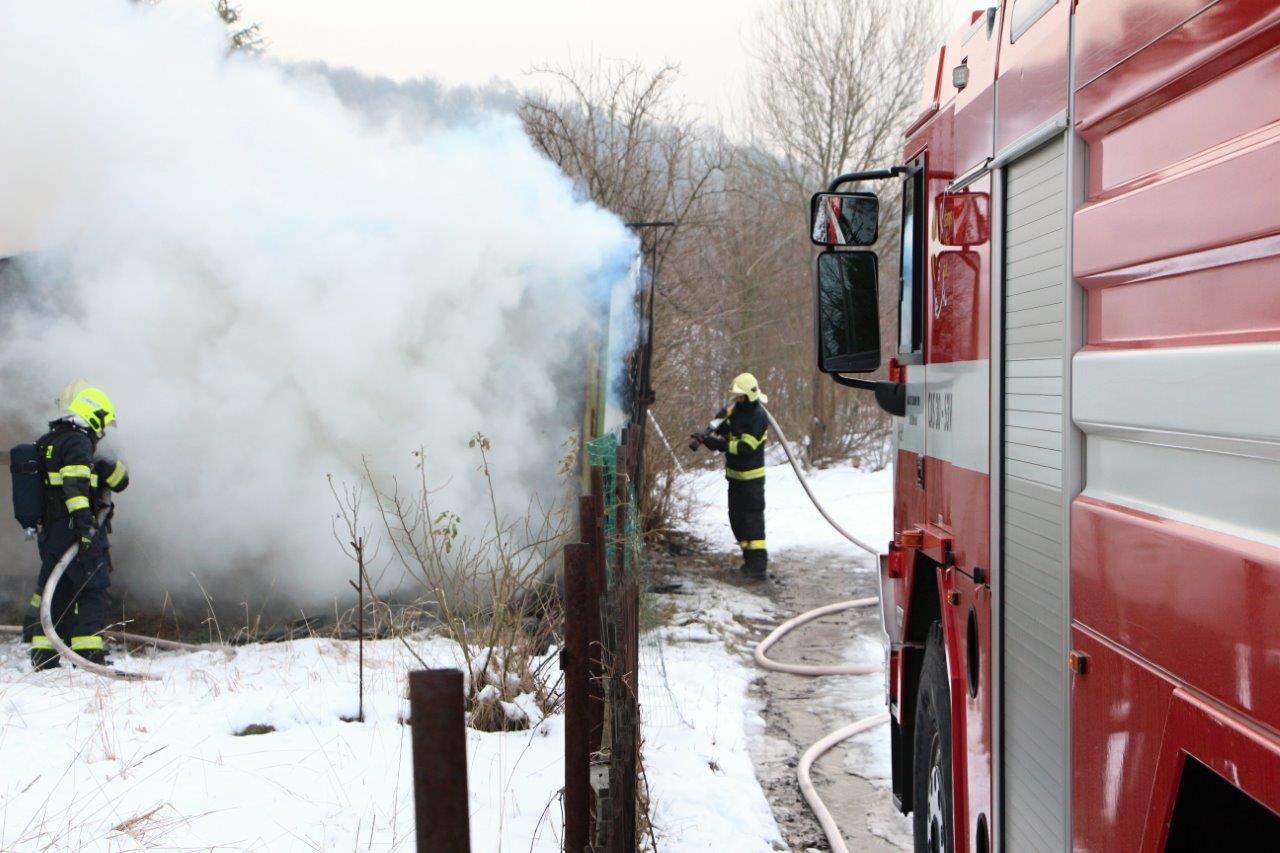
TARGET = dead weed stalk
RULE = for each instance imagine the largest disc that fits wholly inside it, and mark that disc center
(491, 588)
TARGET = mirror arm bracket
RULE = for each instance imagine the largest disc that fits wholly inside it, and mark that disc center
(872, 175)
(890, 396)
(849, 382)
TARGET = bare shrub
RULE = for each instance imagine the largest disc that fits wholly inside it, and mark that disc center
(621, 133)
(492, 591)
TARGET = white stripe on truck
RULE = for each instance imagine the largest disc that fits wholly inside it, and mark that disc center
(1187, 433)
(948, 413)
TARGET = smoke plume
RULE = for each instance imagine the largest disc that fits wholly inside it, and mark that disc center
(272, 288)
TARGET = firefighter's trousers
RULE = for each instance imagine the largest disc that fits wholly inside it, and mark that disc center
(80, 601)
(746, 519)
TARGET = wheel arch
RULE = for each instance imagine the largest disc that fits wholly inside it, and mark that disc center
(924, 608)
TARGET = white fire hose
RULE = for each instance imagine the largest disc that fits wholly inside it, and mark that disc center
(128, 637)
(46, 619)
(834, 837)
(64, 651)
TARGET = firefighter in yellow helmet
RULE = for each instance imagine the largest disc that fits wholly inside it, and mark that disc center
(74, 475)
(741, 437)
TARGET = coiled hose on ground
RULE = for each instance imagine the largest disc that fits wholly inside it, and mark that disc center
(834, 837)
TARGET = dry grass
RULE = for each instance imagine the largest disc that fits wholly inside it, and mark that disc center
(135, 826)
(491, 591)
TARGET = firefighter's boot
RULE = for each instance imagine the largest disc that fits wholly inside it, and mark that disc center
(755, 563)
(98, 656)
(42, 659)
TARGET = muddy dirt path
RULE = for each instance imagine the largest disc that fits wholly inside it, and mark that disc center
(799, 710)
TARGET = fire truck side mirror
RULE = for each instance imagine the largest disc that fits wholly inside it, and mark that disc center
(848, 312)
(844, 219)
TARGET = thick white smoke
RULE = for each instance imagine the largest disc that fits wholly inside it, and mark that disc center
(271, 290)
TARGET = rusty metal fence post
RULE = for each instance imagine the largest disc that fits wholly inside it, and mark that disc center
(439, 761)
(575, 662)
(585, 583)
(601, 657)
(621, 696)
(598, 585)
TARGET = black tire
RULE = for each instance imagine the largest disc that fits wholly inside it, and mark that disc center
(931, 769)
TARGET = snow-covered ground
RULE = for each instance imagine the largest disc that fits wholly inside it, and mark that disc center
(862, 501)
(696, 810)
(90, 764)
(694, 677)
(696, 674)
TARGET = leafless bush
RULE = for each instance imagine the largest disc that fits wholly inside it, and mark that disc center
(241, 36)
(835, 84)
(620, 132)
(491, 590)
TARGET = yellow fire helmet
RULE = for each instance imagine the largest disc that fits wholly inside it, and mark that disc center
(89, 405)
(745, 384)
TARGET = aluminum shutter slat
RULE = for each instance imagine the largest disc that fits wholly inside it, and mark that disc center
(1048, 170)
(1034, 315)
(1021, 504)
(1046, 438)
(1039, 349)
(1031, 282)
(1042, 545)
(1015, 518)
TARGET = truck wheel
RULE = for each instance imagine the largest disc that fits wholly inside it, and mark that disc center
(931, 773)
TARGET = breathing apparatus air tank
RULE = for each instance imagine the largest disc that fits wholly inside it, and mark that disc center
(28, 487)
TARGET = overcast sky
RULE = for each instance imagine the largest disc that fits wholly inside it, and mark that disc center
(476, 42)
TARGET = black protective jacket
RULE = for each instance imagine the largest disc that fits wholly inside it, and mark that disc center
(73, 474)
(741, 437)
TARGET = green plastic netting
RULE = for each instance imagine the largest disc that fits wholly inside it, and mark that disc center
(603, 452)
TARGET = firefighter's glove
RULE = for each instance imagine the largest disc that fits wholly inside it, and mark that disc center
(87, 535)
(695, 441)
(716, 442)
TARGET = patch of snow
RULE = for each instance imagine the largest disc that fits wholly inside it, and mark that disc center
(859, 696)
(862, 501)
(97, 765)
(694, 681)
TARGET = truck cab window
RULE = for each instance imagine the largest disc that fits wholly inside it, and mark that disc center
(1026, 13)
(911, 263)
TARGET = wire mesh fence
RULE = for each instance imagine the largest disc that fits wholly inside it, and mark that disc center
(605, 652)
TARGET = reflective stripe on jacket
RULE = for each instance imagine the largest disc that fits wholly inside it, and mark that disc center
(72, 474)
(742, 438)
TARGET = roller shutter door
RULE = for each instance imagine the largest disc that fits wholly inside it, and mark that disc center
(1033, 593)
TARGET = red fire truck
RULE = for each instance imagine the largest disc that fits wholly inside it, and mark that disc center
(1083, 592)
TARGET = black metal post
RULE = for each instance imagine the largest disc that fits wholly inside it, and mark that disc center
(357, 545)
(439, 761)
(577, 698)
